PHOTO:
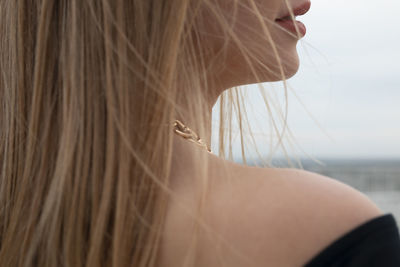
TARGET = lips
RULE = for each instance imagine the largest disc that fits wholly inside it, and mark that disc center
(296, 27)
(298, 11)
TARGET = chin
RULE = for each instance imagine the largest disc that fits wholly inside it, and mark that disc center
(290, 64)
(235, 72)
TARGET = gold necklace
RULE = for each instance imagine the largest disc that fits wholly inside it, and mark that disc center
(185, 132)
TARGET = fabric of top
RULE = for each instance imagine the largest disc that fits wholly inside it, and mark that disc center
(373, 244)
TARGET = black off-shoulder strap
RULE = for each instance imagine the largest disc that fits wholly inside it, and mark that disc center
(373, 244)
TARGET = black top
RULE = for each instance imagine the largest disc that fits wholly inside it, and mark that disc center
(376, 243)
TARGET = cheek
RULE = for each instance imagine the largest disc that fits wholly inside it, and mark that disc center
(247, 44)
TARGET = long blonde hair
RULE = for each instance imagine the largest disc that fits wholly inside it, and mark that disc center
(88, 91)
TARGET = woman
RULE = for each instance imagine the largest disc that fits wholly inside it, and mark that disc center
(94, 169)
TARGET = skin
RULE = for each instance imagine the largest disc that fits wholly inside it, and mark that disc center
(231, 68)
(258, 210)
(249, 31)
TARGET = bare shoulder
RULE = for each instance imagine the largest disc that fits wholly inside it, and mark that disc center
(271, 213)
(313, 192)
(264, 217)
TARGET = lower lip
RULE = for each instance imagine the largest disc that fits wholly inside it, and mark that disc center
(291, 26)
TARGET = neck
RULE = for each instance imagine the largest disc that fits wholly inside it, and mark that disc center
(188, 156)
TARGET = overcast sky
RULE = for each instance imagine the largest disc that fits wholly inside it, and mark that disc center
(348, 81)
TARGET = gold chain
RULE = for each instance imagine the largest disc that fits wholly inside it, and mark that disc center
(185, 132)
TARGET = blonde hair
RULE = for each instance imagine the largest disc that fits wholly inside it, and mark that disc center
(89, 91)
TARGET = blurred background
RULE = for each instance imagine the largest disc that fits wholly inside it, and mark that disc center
(343, 104)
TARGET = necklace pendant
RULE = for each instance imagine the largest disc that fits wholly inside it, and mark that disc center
(185, 132)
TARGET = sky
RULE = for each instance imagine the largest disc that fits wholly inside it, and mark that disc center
(348, 83)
